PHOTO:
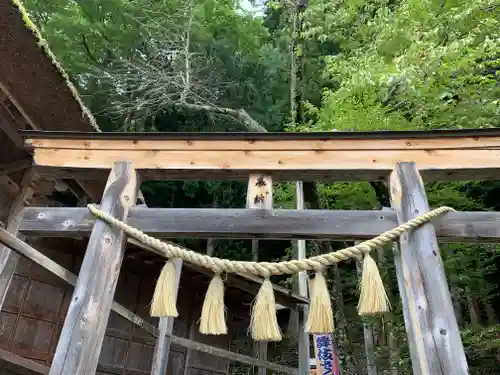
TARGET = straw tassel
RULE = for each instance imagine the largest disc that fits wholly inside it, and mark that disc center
(320, 319)
(373, 297)
(213, 319)
(164, 297)
(264, 323)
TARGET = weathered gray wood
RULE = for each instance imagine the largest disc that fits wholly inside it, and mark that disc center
(259, 196)
(26, 250)
(189, 351)
(165, 328)
(83, 332)
(371, 365)
(9, 189)
(263, 224)
(11, 361)
(198, 346)
(165, 325)
(433, 334)
(393, 344)
(210, 247)
(302, 310)
(8, 258)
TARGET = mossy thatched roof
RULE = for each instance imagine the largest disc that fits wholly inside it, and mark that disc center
(33, 79)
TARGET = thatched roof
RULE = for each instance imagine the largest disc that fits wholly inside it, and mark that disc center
(33, 80)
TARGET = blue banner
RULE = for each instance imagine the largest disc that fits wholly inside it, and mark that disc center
(327, 360)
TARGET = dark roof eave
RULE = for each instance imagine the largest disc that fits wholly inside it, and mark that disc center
(491, 132)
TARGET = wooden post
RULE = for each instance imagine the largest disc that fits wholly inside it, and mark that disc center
(165, 330)
(303, 310)
(165, 325)
(8, 258)
(371, 365)
(83, 332)
(392, 340)
(210, 247)
(433, 335)
(259, 196)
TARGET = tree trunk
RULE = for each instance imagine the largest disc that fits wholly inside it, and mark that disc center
(293, 71)
(297, 48)
(490, 313)
(472, 307)
(457, 307)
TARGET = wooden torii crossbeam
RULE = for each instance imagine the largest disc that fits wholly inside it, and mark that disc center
(340, 225)
(439, 155)
(403, 159)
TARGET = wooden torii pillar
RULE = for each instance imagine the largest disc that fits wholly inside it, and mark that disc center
(433, 334)
(80, 343)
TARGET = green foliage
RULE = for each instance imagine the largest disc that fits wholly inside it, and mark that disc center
(408, 64)
(482, 348)
(348, 196)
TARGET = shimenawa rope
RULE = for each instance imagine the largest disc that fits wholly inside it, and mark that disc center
(373, 298)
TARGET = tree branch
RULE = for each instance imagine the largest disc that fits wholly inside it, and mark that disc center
(187, 68)
(250, 124)
(172, 74)
(87, 48)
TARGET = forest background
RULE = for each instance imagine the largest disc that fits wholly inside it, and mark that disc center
(298, 65)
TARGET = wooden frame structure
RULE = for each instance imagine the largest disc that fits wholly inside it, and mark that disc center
(403, 159)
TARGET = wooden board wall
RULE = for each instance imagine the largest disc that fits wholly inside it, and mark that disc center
(35, 308)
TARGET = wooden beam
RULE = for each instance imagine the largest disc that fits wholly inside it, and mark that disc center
(13, 100)
(15, 166)
(259, 196)
(20, 364)
(289, 159)
(433, 334)
(83, 332)
(339, 225)
(280, 165)
(349, 141)
(8, 186)
(93, 189)
(10, 127)
(223, 353)
(8, 258)
(29, 252)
